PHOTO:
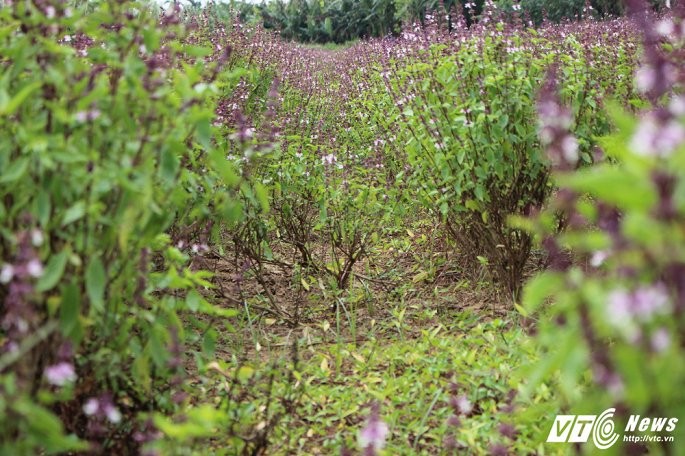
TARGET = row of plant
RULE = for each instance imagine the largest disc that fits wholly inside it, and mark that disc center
(443, 124)
(405, 125)
(469, 121)
(617, 272)
(113, 176)
(140, 144)
(342, 21)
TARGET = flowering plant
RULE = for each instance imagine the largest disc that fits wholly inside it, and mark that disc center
(109, 149)
(473, 149)
(617, 275)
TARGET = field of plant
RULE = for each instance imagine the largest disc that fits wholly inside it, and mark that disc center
(214, 241)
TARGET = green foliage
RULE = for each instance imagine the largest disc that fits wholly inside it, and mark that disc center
(347, 20)
(414, 382)
(323, 22)
(108, 147)
(471, 131)
(328, 193)
(610, 310)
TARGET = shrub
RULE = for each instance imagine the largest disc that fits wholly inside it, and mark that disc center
(614, 298)
(108, 147)
(472, 142)
(341, 204)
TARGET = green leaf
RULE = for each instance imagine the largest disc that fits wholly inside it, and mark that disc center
(201, 421)
(53, 272)
(127, 224)
(245, 373)
(613, 185)
(96, 278)
(232, 210)
(141, 372)
(262, 196)
(224, 168)
(10, 106)
(197, 51)
(210, 309)
(48, 428)
(157, 348)
(74, 213)
(520, 309)
(43, 208)
(203, 131)
(209, 342)
(15, 171)
(169, 165)
(69, 310)
(539, 288)
(193, 300)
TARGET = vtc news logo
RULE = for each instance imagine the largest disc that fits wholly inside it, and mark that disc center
(579, 428)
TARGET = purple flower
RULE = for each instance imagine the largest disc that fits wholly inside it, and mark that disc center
(598, 258)
(7, 273)
(375, 432)
(112, 413)
(665, 28)
(60, 374)
(102, 407)
(146, 434)
(37, 237)
(328, 159)
(453, 420)
(660, 340)
(648, 301)
(553, 116)
(569, 148)
(87, 116)
(642, 303)
(34, 268)
(507, 430)
(462, 404)
(657, 138)
(608, 379)
(619, 305)
(450, 442)
(677, 106)
(555, 121)
(91, 406)
(645, 78)
(197, 248)
(498, 450)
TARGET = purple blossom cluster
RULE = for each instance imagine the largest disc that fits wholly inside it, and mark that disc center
(312, 71)
(20, 318)
(101, 412)
(62, 372)
(645, 283)
(555, 122)
(660, 132)
(373, 435)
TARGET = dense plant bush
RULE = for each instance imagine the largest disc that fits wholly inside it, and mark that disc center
(323, 22)
(613, 299)
(328, 195)
(342, 21)
(112, 178)
(469, 119)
